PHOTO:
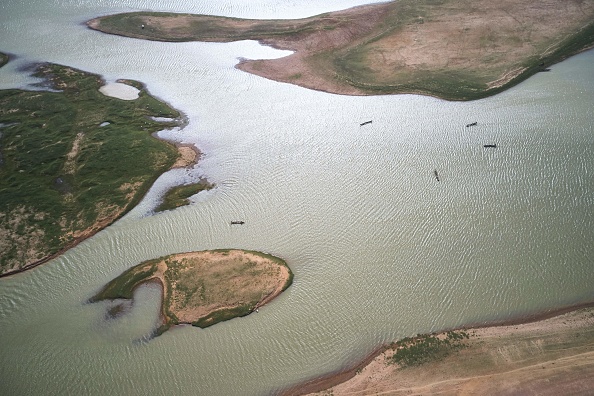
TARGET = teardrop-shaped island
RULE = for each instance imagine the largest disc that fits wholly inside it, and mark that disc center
(207, 287)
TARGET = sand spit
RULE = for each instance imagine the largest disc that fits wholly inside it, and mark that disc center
(551, 356)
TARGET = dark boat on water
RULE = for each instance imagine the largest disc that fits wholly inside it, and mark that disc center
(471, 124)
(489, 145)
(365, 123)
(436, 175)
(237, 222)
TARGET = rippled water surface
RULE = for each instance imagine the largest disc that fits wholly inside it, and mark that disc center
(379, 248)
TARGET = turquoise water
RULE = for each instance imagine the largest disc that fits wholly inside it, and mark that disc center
(380, 250)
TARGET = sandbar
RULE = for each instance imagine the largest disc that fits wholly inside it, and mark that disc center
(547, 354)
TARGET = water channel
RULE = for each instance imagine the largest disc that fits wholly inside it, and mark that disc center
(379, 248)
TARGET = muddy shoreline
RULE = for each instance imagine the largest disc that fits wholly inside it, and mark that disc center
(330, 380)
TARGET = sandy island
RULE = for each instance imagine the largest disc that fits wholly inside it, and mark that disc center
(453, 49)
(207, 287)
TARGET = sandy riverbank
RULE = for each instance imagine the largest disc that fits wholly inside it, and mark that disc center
(549, 353)
(188, 155)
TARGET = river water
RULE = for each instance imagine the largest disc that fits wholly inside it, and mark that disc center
(379, 248)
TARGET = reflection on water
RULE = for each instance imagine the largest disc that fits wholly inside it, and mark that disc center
(379, 248)
(120, 91)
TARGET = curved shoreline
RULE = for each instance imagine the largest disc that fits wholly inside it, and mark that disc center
(203, 288)
(330, 380)
(69, 246)
(101, 225)
(446, 50)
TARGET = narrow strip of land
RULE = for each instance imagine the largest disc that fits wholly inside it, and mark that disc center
(552, 356)
(453, 49)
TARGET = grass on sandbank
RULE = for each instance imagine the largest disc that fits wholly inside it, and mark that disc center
(72, 161)
(549, 356)
(179, 195)
(207, 287)
(426, 347)
(453, 49)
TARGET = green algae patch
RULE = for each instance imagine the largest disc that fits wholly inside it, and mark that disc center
(72, 161)
(207, 287)
(452, 49)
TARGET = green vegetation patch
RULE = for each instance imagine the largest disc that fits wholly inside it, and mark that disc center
(179, 196)
(425, 348)
(123, 286)
(72, 161)
(222, 315)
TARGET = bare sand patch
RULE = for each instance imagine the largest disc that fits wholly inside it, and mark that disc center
(188, 155)
(70, 163)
